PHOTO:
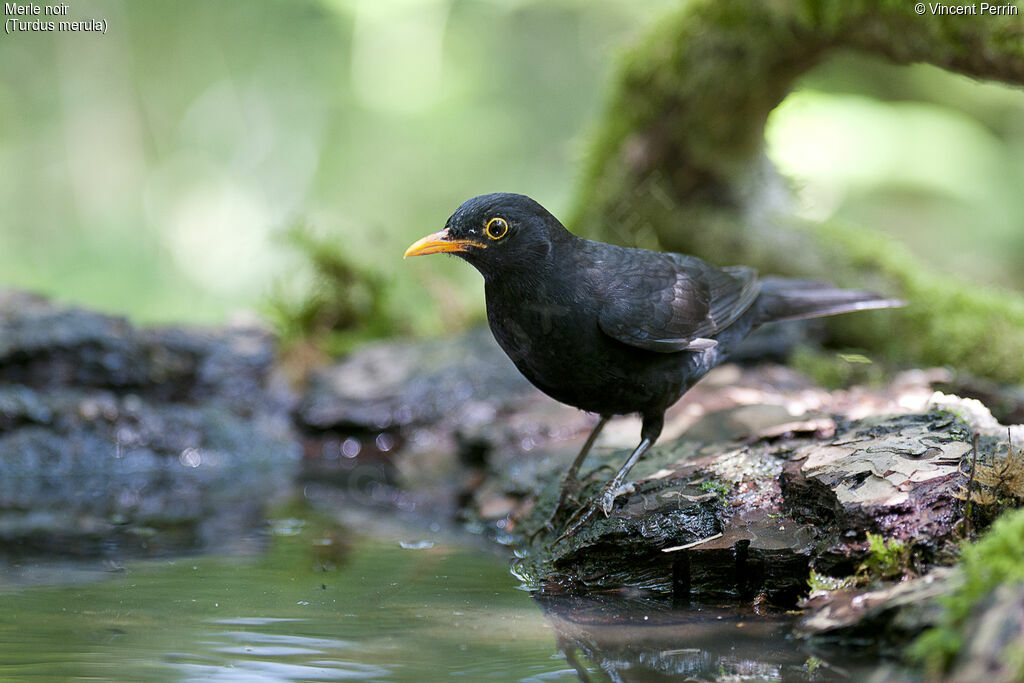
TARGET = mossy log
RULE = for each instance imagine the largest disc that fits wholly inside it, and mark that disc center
(678, 162)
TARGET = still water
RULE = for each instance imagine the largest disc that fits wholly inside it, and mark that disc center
(310, 599)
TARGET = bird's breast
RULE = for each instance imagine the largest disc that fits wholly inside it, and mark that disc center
(555, 341)
(537, 330)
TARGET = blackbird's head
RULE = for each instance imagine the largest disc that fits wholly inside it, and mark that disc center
(497, 233)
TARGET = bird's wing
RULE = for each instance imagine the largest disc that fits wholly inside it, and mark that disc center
(670, 303)
(733, 290)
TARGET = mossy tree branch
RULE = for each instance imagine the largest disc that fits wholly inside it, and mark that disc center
(678, 162)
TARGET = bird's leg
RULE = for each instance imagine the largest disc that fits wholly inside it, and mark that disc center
(606, 499)
(569, 479)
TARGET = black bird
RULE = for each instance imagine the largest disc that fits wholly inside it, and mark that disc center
(614, 330)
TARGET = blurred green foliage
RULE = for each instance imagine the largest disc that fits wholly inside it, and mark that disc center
(346, 303)
(836, 370)
(996, 559)
(153, 170)
(933, 158)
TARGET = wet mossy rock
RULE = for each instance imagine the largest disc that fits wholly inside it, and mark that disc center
(775, 510)
(115, 438)
(678, 162)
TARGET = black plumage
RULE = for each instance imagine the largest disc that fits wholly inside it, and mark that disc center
(614, 330)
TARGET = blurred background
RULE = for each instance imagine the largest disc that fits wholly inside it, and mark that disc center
(185, 165)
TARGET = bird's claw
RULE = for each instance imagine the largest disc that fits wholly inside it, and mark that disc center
(608, 496)
(577, 521)
(548, 525)
(605, 501)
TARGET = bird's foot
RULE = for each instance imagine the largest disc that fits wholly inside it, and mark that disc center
(568, 487)
(604, 501)
(548, 525)
(607, 497)
(577, 521)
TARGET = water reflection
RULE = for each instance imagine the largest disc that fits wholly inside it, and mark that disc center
(629, 637)
(271, 657)
(318, 600)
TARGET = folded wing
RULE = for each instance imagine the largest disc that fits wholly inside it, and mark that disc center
(669, 302)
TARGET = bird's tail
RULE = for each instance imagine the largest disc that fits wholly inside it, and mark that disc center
(785, 299)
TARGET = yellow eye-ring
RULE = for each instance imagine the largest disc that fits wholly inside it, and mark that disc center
(496, 228)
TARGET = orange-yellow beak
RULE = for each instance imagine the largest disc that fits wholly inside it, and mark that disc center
(438, 243)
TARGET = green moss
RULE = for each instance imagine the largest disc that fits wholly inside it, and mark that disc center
(997, 558)
(821, 582)
(946, 321)
(719, 488)
(886, 560)
(1013, 656)
(345, 305)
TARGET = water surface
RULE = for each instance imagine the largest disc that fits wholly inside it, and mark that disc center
(313, 600)
(320, 602)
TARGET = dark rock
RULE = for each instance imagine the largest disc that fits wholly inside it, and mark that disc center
(43, 345)
(707, 528)
(401, 384)
(739, 521)
(113, 437)
(457, 407)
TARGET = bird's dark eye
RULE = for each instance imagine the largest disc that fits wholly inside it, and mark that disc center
(496, 228)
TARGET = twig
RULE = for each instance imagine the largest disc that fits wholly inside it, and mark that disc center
(691, 545)
(970, 487)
